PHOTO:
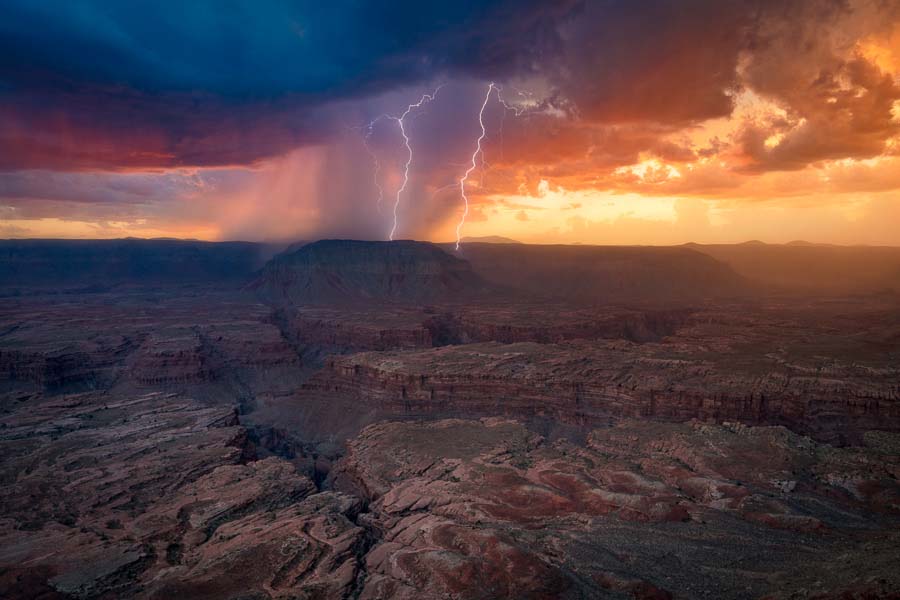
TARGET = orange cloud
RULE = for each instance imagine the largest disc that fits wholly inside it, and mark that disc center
(656, 123)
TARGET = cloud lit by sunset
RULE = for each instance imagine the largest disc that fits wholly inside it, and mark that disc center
(626, 123)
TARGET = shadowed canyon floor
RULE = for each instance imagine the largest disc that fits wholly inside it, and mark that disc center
(308, 430)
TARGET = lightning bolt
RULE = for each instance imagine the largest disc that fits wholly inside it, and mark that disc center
(517, 110)
(376, 161)
(474, 163)
(401, 124)
(426, 98)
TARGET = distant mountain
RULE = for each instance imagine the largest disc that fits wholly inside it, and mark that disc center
(351, 271)
(604, 273)
(805, 243)
(804, 267)
(488, 239)
(103, 263)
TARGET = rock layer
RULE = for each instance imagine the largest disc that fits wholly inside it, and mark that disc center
(158, 496)
(161, 496)
(591, 383)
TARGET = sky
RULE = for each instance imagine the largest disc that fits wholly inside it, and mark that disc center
(608, 121)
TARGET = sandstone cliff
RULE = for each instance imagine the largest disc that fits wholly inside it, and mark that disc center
(590, 384)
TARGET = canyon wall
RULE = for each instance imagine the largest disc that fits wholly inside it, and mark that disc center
(591, 386)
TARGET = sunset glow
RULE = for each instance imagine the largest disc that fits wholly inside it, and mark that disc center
(666, 125)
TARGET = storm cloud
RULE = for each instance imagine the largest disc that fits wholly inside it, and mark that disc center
(248, 119)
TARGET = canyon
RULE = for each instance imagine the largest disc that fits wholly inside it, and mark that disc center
(349, 419)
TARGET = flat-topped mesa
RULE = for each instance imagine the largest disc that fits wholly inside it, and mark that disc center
(352, 271)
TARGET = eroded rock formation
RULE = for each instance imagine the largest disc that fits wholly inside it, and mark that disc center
(160, 496)
(592, 383)
(196, 442)
(487, 507)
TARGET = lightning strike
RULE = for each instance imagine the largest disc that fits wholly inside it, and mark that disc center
(474, 163)
(409, 153)
(471, 167)
(377, 165)
(425, 99)
(518, 110)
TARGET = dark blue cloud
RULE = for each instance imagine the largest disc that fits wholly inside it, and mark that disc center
(110, 84)
(260, 49)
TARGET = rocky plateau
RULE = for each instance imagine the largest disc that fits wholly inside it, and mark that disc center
(374, 421)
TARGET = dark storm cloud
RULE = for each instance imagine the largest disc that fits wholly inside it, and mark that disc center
(639, 71)
(122, 85)
(664, 61)
(21, 187)
(116, 84)
(263, 49)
